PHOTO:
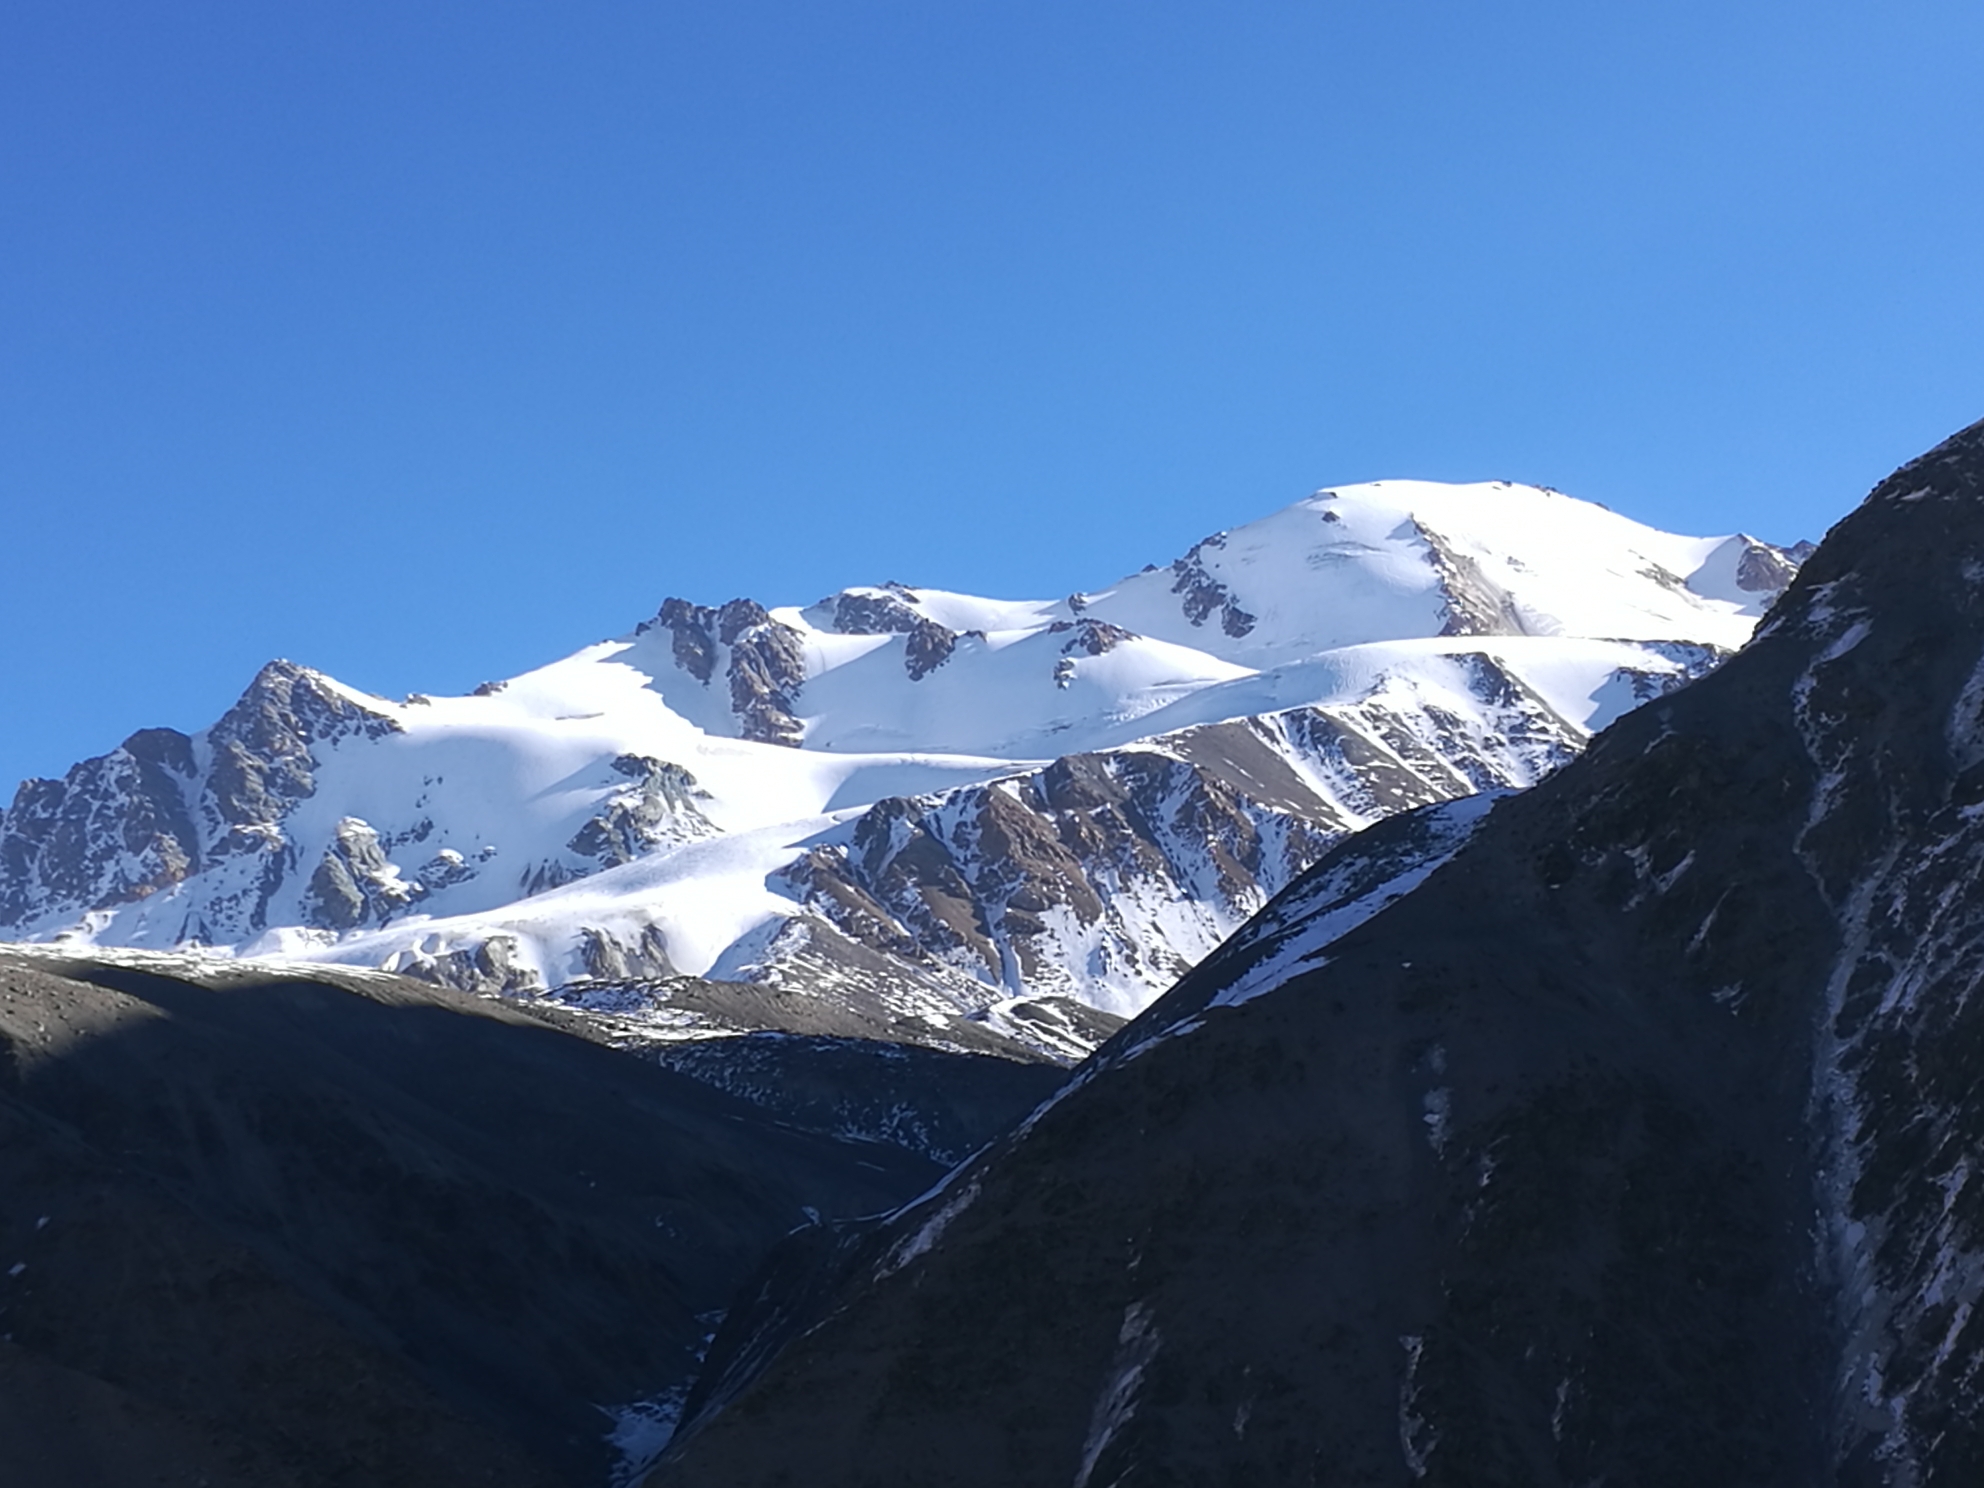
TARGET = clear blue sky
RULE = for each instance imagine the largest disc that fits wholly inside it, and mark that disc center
(424, 342)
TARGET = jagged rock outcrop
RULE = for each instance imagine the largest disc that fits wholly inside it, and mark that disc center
(1766, 568)
(659, 807)
(445, 869)
(491, 965)
(890, 610)
(873, 611)
(134, 799)
(163, 807)
(1029, 915)
(353, 883)
(927, 646)
(1471, 603)
(610, 958)
(1622, 1133)
(760, 659)
(1201, 595)
(811, 981)
(1089, 636)
(262, 760)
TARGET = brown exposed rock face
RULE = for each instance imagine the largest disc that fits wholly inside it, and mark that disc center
(1470, 604)
(1089, 636)
(1201, 594)
(353, 884)
(928, 646)
(609, 958)
(875, 614)
(51, 843)
(1766, 568)
(690, 625)
(493, 966)
(660, 806)
(262, 764)
(992, 882)
(140, 819)
(766, 663)
(995, 903)
(261, 746)
(1105, 874)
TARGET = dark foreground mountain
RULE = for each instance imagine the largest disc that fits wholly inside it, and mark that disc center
(284, 1231)
(1625, 1133)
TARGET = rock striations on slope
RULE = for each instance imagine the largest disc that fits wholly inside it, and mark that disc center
(1620, 1131)
(951, 820)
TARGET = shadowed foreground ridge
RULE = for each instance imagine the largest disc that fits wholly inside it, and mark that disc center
(269, 1231)
(1633, 1146)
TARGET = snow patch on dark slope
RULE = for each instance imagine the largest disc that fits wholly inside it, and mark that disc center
(1635, 1144)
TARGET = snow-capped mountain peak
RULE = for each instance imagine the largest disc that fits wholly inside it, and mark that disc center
(942, 805)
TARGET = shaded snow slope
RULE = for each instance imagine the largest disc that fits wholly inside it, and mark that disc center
(945, 805)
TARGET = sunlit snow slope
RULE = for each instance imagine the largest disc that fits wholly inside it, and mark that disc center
(929, 805)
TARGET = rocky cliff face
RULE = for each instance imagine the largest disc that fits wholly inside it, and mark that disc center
(758, 658)
(117, 828)
(1624, 1132)
(163, 808)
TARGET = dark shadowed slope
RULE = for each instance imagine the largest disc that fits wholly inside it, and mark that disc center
(1632, 1146)
(363, 1231)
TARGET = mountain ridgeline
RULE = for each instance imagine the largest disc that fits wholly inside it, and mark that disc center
(902, 813)
(1623, 1130)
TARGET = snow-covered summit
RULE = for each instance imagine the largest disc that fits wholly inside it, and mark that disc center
(953, 804)
(900, 668)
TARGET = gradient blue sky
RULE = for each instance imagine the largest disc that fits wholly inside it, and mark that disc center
(424, 342)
